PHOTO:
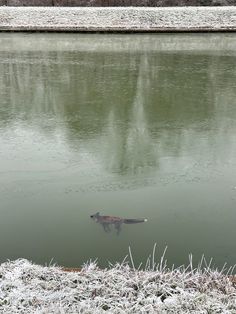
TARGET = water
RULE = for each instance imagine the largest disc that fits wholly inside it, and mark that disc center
(136, 126)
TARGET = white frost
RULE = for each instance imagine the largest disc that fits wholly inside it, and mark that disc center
(118, 18)
(29, 288)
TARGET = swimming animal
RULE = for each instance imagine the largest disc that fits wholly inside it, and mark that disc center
(107, 221)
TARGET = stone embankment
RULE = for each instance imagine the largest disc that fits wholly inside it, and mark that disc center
(122, 19)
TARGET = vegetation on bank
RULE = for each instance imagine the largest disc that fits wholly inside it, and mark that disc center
(121, 288)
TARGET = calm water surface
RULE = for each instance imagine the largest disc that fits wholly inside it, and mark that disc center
(128, 125)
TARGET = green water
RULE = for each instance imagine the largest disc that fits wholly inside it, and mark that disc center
(129, 125)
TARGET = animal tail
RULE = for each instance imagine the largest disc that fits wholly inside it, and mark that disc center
(134, 221)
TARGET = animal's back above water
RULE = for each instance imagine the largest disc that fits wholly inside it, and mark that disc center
(114, 219)
(106, 221)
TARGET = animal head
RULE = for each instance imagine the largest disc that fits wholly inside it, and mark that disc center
(95, 216)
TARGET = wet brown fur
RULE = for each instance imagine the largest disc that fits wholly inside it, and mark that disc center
(106, 221)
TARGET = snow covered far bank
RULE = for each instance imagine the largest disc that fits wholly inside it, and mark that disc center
(140, 19)
(28, 288)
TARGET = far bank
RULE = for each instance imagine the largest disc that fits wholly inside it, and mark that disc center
(118, 19)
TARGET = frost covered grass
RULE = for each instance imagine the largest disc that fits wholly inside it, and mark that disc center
(121, 288)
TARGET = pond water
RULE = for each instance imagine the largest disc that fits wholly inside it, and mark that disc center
(135, 126)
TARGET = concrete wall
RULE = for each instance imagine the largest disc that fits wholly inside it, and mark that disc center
(152, 3)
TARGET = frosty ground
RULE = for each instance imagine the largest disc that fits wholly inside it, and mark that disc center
(29, 288)
(118, 18)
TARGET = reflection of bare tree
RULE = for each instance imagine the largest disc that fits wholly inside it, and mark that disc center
(30, 90)
(130, 148)
(128, 104)
(139, 144)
